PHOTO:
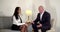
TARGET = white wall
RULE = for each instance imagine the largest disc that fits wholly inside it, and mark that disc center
(7, 7)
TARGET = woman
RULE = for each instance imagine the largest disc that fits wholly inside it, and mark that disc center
(17, 21)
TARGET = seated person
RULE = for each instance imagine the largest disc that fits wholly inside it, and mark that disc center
(42, 21)
(17, 21)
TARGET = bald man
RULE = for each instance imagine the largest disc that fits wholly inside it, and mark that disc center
(42, 21)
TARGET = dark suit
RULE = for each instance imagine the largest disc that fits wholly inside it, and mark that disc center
(45, 22)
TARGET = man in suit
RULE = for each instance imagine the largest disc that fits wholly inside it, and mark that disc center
(42, 21)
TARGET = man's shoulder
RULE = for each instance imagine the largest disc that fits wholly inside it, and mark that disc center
(38, 13)
(47, 12)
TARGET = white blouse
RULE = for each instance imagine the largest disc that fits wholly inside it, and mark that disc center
(17, 21)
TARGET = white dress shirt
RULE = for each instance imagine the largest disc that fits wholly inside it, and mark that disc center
(17, 21)
(41, 15)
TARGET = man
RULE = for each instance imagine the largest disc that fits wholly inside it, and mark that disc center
(42, 21)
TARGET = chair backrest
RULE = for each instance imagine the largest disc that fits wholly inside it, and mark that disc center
(52, 22)
(5, 22)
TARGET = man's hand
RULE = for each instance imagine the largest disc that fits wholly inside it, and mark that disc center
(32, 22)
(40, 25)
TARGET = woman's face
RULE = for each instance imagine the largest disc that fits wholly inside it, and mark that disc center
(19, 11)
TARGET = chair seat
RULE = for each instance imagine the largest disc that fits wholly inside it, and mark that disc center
(52, 30)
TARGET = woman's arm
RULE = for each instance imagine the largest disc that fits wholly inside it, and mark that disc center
(16, 21)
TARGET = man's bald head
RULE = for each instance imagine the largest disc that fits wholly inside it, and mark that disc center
(41, 9)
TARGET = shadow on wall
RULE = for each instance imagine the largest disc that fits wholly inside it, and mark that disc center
(52, 11)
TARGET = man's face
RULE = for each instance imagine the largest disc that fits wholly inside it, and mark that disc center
(41, 9)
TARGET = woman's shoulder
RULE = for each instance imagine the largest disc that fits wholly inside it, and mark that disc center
(13, 16)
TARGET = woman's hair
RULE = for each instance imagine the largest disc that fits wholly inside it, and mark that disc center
(16, 12)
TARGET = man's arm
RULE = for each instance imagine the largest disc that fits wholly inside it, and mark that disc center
(37, 19)
(47, 24)
(48, 18)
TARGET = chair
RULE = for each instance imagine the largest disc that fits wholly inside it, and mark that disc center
(52, 24)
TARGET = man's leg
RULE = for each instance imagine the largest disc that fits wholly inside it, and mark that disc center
(43, 30)
(35, 27)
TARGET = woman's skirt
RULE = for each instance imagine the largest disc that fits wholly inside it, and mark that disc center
(15, 27)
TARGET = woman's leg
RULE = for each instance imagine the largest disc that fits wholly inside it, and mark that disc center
(24, 28)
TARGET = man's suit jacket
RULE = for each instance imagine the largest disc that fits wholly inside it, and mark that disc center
(45, 20)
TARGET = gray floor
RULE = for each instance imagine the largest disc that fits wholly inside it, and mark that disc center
(8, 30)
(29, 30)
(57, 29)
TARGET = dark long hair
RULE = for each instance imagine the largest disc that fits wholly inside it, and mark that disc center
(16, 12)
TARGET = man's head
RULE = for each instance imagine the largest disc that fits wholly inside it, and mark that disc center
(41, 9)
